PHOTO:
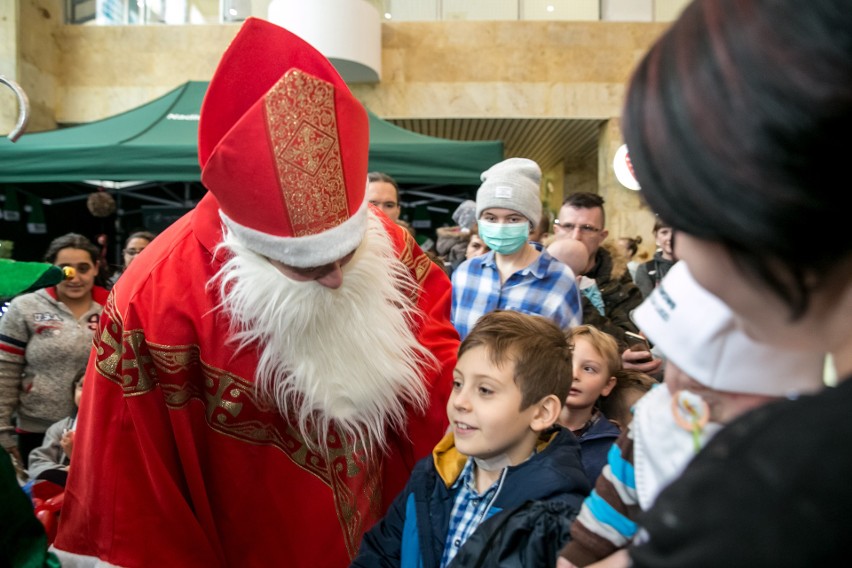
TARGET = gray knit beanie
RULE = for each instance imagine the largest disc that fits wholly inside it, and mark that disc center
(511, 184)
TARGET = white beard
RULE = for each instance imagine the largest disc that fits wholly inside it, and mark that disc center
(346, 357)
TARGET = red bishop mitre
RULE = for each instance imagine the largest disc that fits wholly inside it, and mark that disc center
(283, 145)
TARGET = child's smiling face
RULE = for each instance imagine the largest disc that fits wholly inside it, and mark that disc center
(485, 409)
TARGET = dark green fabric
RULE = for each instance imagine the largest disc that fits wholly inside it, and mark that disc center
(22, 540)
(158, 142)
(151, 142)
(22, 277)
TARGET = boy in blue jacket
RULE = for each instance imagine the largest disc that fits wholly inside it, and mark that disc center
(505, 482)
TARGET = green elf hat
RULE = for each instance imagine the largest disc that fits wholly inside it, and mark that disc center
(22, 277)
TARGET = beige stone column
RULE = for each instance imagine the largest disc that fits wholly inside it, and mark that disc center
(627, 214)
(8, 64)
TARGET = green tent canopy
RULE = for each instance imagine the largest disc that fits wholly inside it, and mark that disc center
(158, 141)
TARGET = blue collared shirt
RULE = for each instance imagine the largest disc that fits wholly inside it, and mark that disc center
(470, 508)
(546, 288)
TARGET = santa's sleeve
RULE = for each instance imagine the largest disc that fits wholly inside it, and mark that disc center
(125, 488)
(435, 332)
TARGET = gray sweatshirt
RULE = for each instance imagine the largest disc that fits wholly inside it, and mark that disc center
(42, 346)
(50, 454)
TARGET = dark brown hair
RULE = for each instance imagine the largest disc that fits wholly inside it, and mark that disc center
(74, 241)
(616, 405)
(733, 120)
(381, 176)
(535, 345)
(632, 244)
(586, 200)
(660, 224)
(148, 236)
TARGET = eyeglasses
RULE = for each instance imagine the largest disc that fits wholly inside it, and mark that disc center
(385, 204)
(132, 252)
(569, 227)
(80, 268)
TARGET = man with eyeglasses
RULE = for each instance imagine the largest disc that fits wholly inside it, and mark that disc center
(582, 218)
(383, 192)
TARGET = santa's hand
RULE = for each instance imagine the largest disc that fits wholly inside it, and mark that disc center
(642, 361)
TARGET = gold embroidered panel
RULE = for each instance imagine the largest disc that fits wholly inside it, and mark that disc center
(302, 128)
(418, 265)
(231, 408)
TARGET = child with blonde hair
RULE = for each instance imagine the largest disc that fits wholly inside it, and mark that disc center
(596, 360)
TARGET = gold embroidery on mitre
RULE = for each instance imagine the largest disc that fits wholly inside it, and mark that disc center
(302, 127)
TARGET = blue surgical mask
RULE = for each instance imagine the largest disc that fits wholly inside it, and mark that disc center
(504, 238)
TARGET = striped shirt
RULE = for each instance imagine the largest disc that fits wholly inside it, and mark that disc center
(606, 521)
(546, 288)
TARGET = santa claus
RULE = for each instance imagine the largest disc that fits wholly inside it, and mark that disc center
(270, 368)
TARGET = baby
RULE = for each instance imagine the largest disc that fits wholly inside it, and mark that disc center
(574, 254)
(714, 374)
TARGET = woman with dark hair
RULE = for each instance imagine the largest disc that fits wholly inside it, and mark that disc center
(629, 246)
(45, 337)
(134, 244)
(735, 121)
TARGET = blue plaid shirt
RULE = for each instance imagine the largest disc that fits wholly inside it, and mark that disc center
(546, 288)
(469, 510)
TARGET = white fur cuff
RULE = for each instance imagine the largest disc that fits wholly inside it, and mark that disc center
(308, 251)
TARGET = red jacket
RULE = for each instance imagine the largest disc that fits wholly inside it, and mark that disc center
(175, 464)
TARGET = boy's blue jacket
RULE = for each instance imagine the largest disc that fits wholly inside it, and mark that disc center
(595, 444)
(412, 533)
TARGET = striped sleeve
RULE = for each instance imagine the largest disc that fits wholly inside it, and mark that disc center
(13, 346)
(606, 521)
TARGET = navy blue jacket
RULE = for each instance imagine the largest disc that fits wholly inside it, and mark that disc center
(413, 532)
(594, 445)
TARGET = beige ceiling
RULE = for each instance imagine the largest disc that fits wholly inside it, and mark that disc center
(548, 141)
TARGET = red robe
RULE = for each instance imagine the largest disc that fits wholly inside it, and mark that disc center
(176, 462)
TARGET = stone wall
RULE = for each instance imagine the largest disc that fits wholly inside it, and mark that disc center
(465, 69)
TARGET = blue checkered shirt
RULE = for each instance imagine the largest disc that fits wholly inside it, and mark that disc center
(546, 288)
(469, 510)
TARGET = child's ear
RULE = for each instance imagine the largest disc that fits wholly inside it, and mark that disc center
(610, 384)
(546, 413)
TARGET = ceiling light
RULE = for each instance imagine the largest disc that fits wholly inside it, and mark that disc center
(550, 8)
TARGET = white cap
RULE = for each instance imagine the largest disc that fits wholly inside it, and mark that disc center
(700, 335)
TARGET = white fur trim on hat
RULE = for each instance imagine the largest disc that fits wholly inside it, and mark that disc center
(700, 334)
(511, 184)
(308, 251)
